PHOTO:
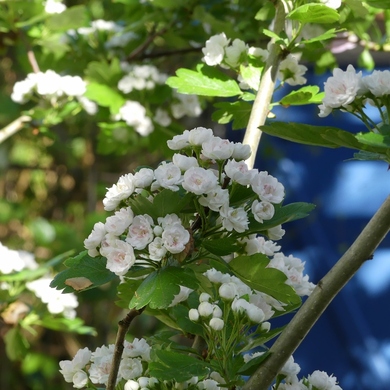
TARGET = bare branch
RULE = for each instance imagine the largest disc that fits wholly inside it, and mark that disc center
(13, 127)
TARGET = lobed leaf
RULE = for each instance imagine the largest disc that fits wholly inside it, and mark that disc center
(314, 13)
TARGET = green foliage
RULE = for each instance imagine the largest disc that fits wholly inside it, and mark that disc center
(314, 13)
(253, 271)
(236, 112)
(205, 81)
(84, 272)
(160, 287)
(305, 95)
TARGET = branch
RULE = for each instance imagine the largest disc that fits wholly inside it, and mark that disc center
(123, 327)
(263, 98)
(360, 251)
(13, 127)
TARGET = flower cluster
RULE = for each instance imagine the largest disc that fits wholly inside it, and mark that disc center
(350, 90)
(52, 86)
(54, 6)
(126, 238)
(94, 367)
(249, 61)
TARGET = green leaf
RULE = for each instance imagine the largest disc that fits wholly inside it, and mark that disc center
(221, 246)
(305, 95)
(238, 112)
(71, 18)
(366, 60)
(103, 72)
(160, 287)
(323, 37)
(250, 367)
(83, 266)
(205, 81)
(288, 213)
(176, 366)
(314, 13)
(374, 139)
(378, 3)
(253, 271)
(170, 202)
(62, 324)
(368, 156)
(105, 96)
(16, 345)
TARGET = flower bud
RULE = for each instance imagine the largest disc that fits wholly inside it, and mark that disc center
(227, 291)
(193, 315)
(205, 309)
(216, 324)
(204, 297)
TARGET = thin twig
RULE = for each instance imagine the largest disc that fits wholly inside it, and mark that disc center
(144, 45)
(13, 127)
(360, 251)
(123, 327)
(33, 61)
(263, 98)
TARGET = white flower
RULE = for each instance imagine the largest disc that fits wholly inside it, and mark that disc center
(131, 385)
(249, 356)
(322, 381)
(184, 162)
(71, 369)
(167, 175)
(260, 245)
(137, 348)
(291, 72)
(80, 379)
(23, 90)
(378, 82)
(179, 141)
(181, 296)
(255, 314)
(204, 297)
(143, 178)
(140, 232)
(55, 300)
(238, 171)
(54, 7)
(262, 210)
(134, 114)
(10, 260)
(156, 249)
(48, 83)
(276, 233)
(175, 238)
(216, 276)
(268, 188)
(119, 222)
(119, 191)
(227, 291)
(234, 218)
(258, 52)
(188, 105)
(241, 152)
(205, 309)
(72, 85)
(215, 199)
(89, 106)
(217, 148)
(120, 257)
(162, 118)
(168, 220)
(193, 315)
(234, 52)
(95, 239)
(290, 369)
(332, 3)
(214, 49)
(120, 39)
(199, 135)
(341, 89)
(216, 323)
(208, 384)
(130, 368)
(100, 370)
(199, 181)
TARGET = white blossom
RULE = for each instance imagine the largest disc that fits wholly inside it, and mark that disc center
(276, 233)
(204, 297)
(131, 385)
(72, 369)
(209, 384)
(198, 135)
(332, 3)
(137, 348)
(227, 291)
(187, 105)
(156, 249)
(214, 50)
(179, 141)
(234, 52)
(181, 296)
(215, 198)
(184, 162)
(234, 218)
(217, 148)
(100, 370)
(290, 369)
(262, 210)
(175, 237)
(216, 323)
(130, 368)
(134, 114)
(140, 232)
(56, 301)
(54, 6)
(119, 191)
(241, 152)
(322, 381)
(268, 188)
(167, 175)
(205, 309)
(378, 82)
(199, 181)
(10, 260)
(341, 89)
(143, 178)
(260, 245)
(193, 315)
(291, 72)
(120, 257)
(162, 117)
(238, 171)
(119, 222)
